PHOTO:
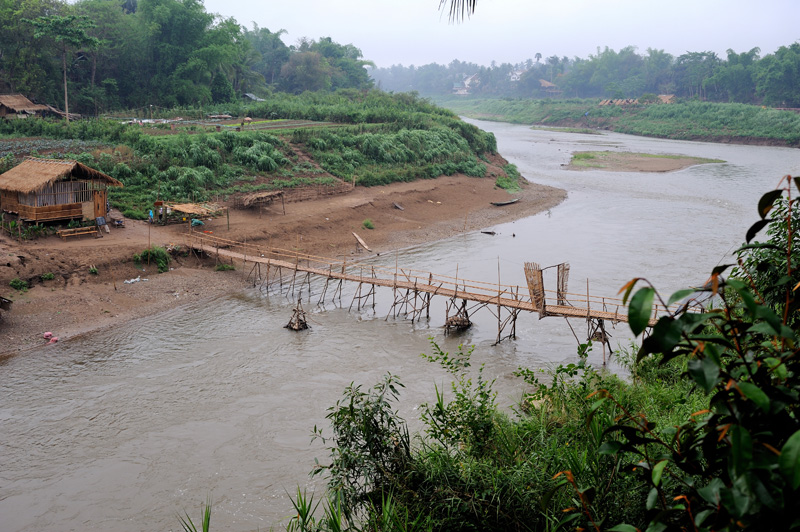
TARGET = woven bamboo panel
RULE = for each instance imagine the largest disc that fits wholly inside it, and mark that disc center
(533, 274)
(563, 279)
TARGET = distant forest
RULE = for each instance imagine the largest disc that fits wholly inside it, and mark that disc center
(746, 77)
(124, 54)
(127, 54)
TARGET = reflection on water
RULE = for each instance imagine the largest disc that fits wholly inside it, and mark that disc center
(126, 428)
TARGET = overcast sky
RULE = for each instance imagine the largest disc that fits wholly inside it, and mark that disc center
(415, 32)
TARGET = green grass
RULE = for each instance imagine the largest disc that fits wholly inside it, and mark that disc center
(603, 159)
(510, 182)
(691, 120)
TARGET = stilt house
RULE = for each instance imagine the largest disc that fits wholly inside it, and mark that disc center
(39, 190)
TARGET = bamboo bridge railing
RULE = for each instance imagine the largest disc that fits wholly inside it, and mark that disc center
(512, 297)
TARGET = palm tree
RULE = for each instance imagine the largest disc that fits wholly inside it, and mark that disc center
(459, 9)
(538, 57)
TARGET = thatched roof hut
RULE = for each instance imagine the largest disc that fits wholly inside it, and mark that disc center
(17, 104)
(50, 189)
(33, 174)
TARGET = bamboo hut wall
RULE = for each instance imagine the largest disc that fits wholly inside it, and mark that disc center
(60, 193)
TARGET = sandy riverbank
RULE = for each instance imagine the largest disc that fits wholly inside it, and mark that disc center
(77, 302)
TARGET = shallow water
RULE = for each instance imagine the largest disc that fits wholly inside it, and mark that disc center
(125, 429)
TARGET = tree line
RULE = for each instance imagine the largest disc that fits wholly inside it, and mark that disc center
(114, 54)
(745, 77)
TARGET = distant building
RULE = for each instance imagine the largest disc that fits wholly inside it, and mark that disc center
(463, 88)
(516, 75)
(550, 89)
(18, 106)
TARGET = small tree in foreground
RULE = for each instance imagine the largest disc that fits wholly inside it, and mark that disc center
(735, 465)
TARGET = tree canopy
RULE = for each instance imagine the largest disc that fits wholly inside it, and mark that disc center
(157, 52)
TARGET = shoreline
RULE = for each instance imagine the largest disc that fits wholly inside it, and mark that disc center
(433, 210)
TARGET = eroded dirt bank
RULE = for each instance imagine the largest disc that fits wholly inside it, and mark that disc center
(77, 301)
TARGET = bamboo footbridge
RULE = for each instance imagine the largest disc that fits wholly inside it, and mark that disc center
(414, 289)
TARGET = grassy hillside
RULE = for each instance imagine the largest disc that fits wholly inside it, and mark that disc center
(365, 138)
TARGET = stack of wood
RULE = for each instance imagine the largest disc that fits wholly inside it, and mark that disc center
(298, 321)
(458, 321)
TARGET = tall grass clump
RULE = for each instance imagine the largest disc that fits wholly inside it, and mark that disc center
(154, 255)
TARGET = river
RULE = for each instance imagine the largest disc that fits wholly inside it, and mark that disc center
(127, 428)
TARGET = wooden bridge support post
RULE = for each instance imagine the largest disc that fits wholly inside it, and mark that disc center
(325, 288)
(429, 296)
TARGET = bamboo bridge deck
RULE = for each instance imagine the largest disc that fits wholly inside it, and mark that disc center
(513, 298)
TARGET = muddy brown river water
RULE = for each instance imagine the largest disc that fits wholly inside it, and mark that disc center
(125, 429)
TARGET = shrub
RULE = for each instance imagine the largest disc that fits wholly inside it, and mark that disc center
(155, 254)
(18, 284)
(224, 267)
(706, 437)
(367, 224)
(47, 276)
(736, 464)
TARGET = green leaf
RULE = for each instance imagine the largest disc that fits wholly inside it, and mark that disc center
(597, 404)
(623, 528)
(640, 310)
(680, 294)
(755, 228)
(610, 447)
(790, 460)
(705, 372)
(711, 492)
(665, 335)
(741, 449)
(658, 469)
(755, 394)
(759, 245)
(701, 517)
(652, 498)
(766, 201)
(628, 288)
(656, 527)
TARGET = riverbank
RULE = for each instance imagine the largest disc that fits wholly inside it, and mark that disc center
(88, 289)
(725, 123)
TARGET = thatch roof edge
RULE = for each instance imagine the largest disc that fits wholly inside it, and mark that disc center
(25, 179)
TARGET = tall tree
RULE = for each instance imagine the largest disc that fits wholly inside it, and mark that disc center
(25, 65)
(70, 33)
(778, 75)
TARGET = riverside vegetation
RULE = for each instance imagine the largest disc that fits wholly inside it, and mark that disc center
(376, 139)
(692, 120)
(703, 436)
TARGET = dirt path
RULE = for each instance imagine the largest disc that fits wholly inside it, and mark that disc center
(77, 301)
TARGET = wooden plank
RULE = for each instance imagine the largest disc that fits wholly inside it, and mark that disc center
(362, 243)
(77, 231)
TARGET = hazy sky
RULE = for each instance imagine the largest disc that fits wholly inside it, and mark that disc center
(415, 32)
